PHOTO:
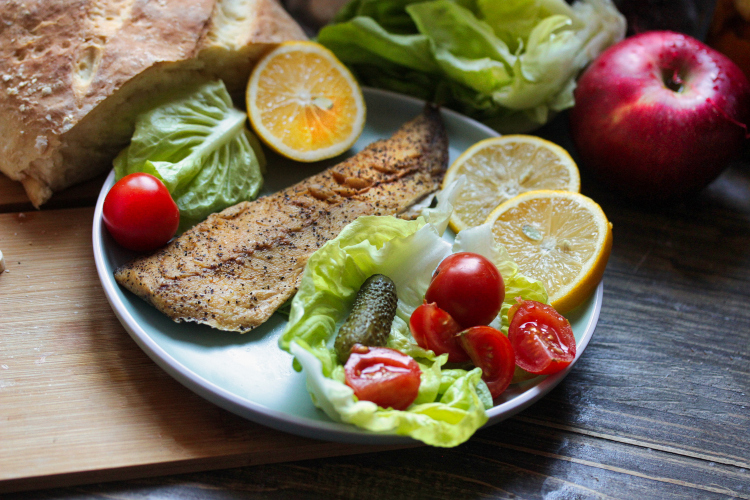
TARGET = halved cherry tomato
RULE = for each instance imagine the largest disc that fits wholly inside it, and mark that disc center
(541, 337)
(434, 329)
(382, 375)
(139, 212)
(469, 287)
(491, 351)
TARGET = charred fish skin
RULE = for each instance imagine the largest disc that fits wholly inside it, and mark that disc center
(233, 270)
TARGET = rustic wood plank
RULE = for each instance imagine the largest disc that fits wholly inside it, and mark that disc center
(669, 365)
(627, 398)
(510, 460)
(79, 401)
(656, 408)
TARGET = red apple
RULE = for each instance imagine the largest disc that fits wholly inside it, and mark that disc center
(659, 115)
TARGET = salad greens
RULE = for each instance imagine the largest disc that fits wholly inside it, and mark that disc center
(510, 64)
(198, 144)
(451, 403)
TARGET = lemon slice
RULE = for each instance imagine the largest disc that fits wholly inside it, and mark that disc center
(304, 103)
(560, 238)
(500, 168)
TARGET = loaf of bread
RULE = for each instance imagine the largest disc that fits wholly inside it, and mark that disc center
(74, 74)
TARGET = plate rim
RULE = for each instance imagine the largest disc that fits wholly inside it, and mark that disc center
(280, 420)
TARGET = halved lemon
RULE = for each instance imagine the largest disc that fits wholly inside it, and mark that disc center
(304, 103)
(500, 168)
(560, 238)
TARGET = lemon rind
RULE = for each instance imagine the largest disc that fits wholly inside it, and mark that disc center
(574, 185)
(586, 281)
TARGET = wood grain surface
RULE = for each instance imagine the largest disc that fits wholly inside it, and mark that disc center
(79, 401)
(657, 407)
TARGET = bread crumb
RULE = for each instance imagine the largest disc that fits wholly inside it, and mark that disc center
(41, 143)
(2, 262)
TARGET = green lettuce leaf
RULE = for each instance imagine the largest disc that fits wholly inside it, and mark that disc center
(511, 64)
(198, 144)
(451, 403)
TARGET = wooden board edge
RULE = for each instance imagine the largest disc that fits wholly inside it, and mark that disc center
(203, 464)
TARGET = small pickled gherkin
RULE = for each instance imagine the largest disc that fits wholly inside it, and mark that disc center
(369, 323)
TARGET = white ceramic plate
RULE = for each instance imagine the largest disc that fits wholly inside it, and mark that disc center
(248, 374)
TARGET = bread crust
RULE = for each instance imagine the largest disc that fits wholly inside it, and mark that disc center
(74, 74)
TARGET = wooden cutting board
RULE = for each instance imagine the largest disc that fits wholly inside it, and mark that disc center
(79, 401)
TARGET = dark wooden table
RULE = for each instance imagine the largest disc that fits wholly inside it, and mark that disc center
(657, 407)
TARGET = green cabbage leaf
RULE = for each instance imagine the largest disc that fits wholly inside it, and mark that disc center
(452, 401)
(198, 144)
(511, 64)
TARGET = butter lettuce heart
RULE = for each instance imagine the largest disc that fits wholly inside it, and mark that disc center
(199, 145)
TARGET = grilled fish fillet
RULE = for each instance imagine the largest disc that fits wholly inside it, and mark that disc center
(233, 270)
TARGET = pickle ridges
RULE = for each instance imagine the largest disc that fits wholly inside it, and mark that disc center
(369, 322)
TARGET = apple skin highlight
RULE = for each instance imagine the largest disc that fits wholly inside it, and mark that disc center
(659, 115)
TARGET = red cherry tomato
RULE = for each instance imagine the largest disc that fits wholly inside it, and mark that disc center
(384, 376)
(491, 351)
(434, 329)
(541, 337)
(468, 287)
(139, 212)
